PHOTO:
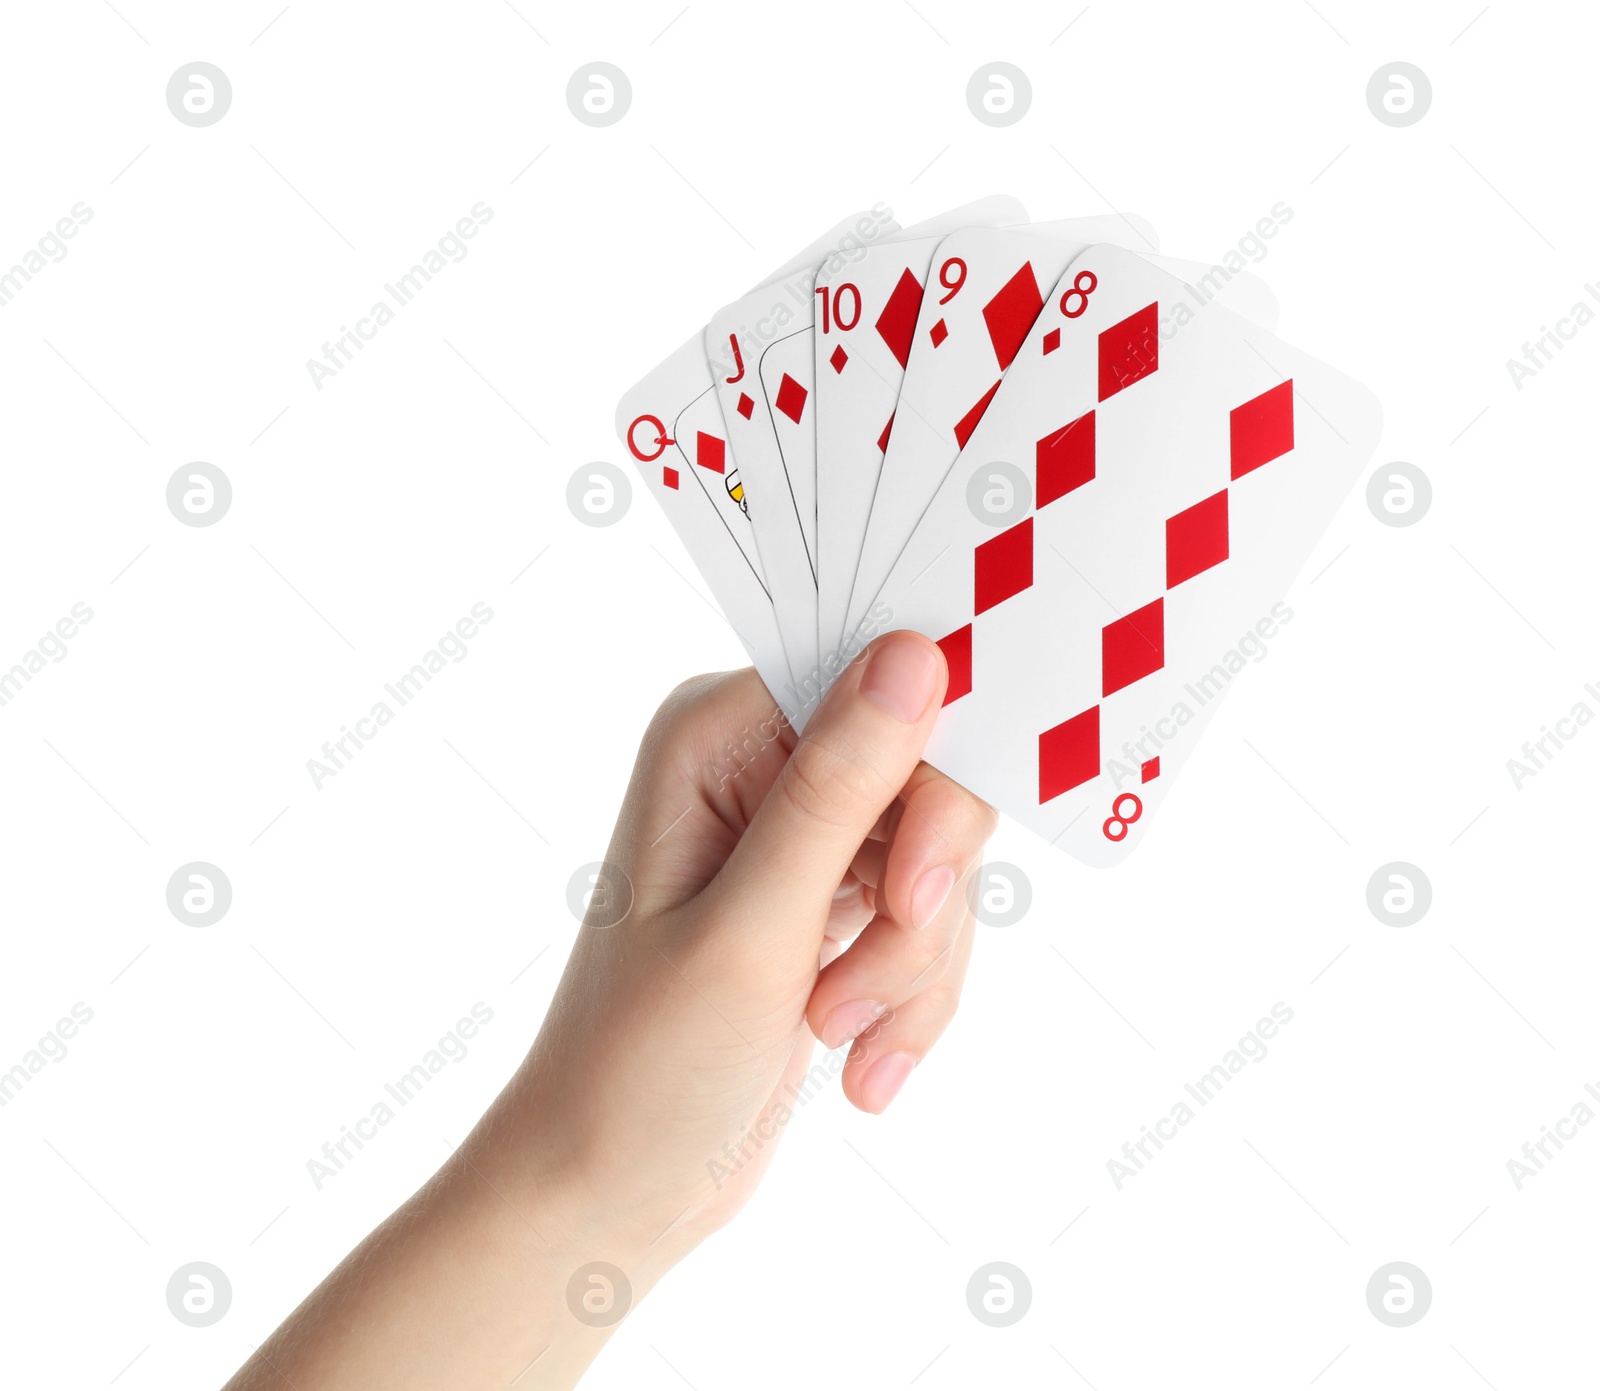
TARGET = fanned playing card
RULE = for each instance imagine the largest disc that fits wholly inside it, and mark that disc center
(732, 346)
(779, 483)
(1178, 482)
(989, 288)
(868, 316)
(672, 428)
(867, 333)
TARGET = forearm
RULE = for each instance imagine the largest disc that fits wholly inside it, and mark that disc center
(466, 1284)
(678, 1040)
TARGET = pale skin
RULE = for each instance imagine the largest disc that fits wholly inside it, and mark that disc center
(805, 888)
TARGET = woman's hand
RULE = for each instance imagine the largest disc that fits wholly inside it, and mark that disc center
(751, 858)
(678, 1044)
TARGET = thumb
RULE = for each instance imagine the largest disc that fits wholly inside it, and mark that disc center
(856, 754)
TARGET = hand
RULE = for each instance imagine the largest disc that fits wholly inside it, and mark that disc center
(678, 1044)
(753, 856)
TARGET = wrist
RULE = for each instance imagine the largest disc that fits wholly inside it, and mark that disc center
(565, 1209)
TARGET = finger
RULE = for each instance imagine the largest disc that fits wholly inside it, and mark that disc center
(887, 965)
(921, 903)
(855, 901)
(705, 764)
(869, 862)
(856, 753)
(940, 828)
(888, 1051)
(850, 911)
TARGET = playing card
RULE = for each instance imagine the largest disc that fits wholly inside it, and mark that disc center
(1134, 502)
(786, 383)
(781, 488)
(731, 346)
(673, 428)
(987, 293)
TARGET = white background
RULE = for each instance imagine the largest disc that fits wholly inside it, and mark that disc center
(431, 474)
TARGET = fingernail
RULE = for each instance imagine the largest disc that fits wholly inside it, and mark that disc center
(884, 1079)
(900, 679)
(844, 1022)
(930, 894)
